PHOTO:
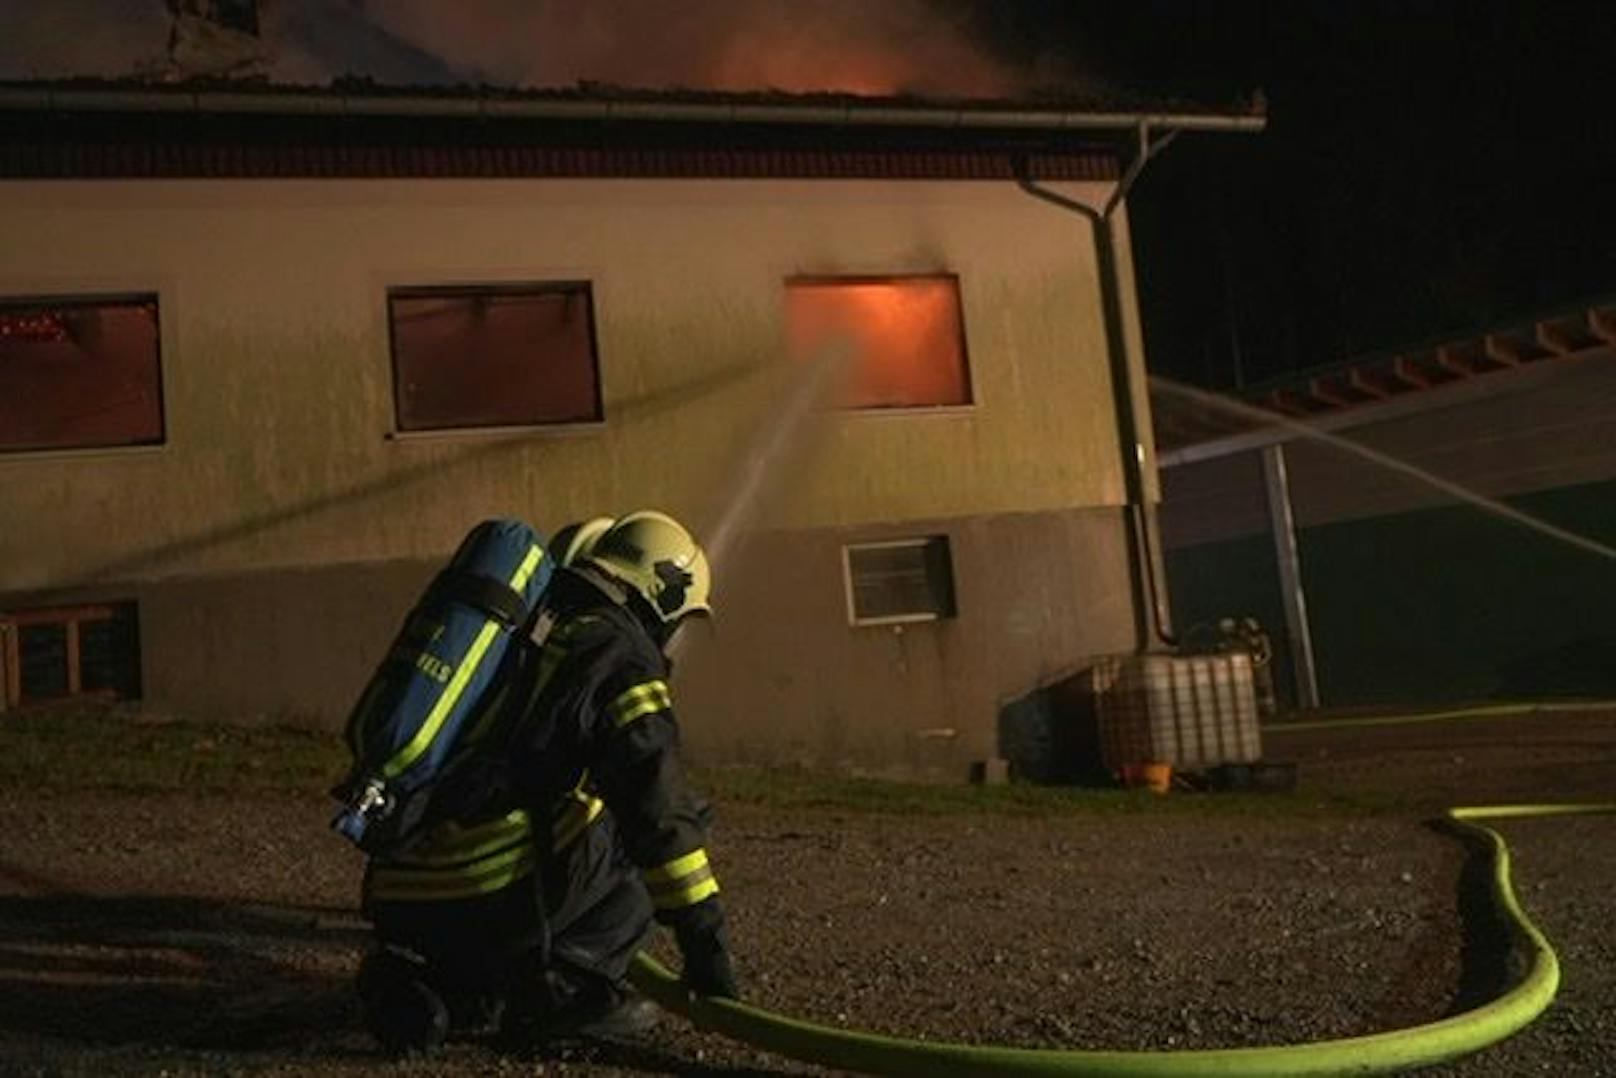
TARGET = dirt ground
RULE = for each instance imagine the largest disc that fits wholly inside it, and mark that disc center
(162, 933)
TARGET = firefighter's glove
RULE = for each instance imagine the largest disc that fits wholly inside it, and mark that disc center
(708, 973)
(707, 966)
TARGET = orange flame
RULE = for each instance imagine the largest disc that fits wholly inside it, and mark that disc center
(850, 46)
(905, 335)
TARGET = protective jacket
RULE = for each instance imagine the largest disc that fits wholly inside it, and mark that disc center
(598, 724)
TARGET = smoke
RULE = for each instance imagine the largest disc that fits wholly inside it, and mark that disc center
(92, 38)
(794, 45)
(924, 47)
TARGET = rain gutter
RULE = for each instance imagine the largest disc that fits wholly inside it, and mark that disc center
(852, 113)
(1152, 614)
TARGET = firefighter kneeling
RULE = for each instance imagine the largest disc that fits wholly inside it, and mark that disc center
(521, 913)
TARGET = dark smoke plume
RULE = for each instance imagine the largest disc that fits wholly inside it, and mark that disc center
(923, 47)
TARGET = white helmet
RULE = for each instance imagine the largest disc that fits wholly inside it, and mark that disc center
(657, 557)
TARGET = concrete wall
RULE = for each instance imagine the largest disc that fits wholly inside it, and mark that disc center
(783, 678)
(780, 677)
(283, 498)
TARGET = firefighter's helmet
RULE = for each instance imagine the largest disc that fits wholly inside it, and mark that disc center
(659, 559)
(576, 540)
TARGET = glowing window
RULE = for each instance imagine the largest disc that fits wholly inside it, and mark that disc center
(904, 336)
(899, 580)
(511, 355)
(79, 372)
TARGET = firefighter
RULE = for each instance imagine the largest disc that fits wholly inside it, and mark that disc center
(485, 924)
(601, 729)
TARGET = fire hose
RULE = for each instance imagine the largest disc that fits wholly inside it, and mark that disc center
(1376, 1053)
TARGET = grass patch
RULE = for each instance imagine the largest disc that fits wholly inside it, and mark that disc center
(101, 747)
(806, 790)
(91, 747)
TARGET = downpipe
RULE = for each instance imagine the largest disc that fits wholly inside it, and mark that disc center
(1152, 615)
(1378, 1053)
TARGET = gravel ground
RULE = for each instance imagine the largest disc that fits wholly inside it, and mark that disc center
(152, 933)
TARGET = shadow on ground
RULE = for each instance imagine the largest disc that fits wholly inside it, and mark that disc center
(177, 973)
(1492, 964)
(171, 971)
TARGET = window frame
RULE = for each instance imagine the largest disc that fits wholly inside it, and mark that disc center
(521, 287)
(921, 542)
(110, 298)
(970, 403)
(72, 619)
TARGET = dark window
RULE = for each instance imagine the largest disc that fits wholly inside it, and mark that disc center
(70, 651)
(42, 665)
(79, 373)
(904, 337)
(902, 580)
(109, 653)
(518, 355)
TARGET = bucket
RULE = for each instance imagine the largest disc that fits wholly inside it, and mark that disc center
(1155, 776)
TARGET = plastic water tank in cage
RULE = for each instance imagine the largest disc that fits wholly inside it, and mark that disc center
(1190, 711)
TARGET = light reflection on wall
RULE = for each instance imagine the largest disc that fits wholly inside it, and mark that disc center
(906, 333)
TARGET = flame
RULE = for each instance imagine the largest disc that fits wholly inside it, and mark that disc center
(904, 334)
(838, 59)
(849, 46)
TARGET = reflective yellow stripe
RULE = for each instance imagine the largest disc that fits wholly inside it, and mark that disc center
(457, 862)
(671, 897)
(572, 821)
(684, 881)
(395, 885)
(457, 684)
(641, 700)
(452, 844)
(396, 873)
(679, 866)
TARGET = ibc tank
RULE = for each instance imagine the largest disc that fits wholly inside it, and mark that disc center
(1191, 711)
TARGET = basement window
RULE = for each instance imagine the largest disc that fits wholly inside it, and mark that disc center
(900, 580)
(903, 338)
(65, 652)
(495, 356)
(79, 373)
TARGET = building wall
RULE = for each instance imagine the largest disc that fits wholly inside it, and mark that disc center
(273, 536)
(1413, 594)
(780, 677)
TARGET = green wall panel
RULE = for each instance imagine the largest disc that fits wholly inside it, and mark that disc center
(1433, 606)
(1231, 579)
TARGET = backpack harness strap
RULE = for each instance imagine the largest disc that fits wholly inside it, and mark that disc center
(493, 597)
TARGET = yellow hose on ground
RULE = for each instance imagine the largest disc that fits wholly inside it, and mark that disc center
(1485, 711)
(1378, 1053)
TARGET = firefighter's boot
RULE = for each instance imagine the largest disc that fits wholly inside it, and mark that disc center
(401, 1008)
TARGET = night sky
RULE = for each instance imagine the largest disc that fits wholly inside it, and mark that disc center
(1430, 169)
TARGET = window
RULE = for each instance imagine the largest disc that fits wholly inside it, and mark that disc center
(70, 651)
(79, 373)
(898, 581)
(905, 336)
(511, 355)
